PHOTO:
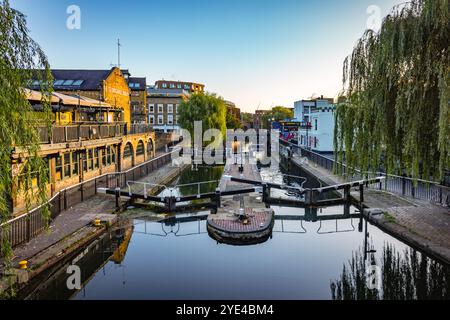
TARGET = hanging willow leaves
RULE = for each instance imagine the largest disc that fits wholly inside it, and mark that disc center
(394, 110)
(19, 57)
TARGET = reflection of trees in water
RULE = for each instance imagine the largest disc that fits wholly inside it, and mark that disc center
(204, 173)
(406, 276)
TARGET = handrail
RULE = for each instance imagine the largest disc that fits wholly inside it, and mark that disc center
(366, 172)
(80, 184)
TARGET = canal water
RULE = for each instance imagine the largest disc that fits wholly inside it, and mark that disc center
(302, 260)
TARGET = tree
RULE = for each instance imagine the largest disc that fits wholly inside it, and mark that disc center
(205, 107)
(396, 89)
(233, 122)
(277, 114)
(19, 57)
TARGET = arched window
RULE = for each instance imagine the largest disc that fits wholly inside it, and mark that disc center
(150, 148)
(128, 151)
(140, 149)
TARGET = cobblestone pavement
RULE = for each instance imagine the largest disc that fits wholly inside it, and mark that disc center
(420, 222)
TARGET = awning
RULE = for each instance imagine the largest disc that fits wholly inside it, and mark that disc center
(67, 100)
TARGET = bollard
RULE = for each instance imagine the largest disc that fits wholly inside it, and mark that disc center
(23, 265)
(217, 199)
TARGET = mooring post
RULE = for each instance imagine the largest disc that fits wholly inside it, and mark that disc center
(217, 198)
(361, 193)
(117, 190)
(265, 193)
(347, 193)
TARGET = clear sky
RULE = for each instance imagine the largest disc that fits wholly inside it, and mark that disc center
(253, 52)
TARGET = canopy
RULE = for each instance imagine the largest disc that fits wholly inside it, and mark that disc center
(67, 100)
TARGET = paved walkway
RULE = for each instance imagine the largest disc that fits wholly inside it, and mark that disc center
(418, 222)
(79, 216)
(68, 222)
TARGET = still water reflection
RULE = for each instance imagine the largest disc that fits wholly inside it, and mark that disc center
(302, 260)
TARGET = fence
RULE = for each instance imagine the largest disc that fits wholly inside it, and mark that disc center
(402, 185)
(23, 228)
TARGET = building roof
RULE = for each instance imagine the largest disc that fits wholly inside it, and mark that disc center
(137, 84)
(154, 92)
(84, 80)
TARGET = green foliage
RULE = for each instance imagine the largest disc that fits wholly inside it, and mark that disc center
(19, 57)
(277, 114)
(394, 108)
(233, 122)
(405, 276)
(205, 107)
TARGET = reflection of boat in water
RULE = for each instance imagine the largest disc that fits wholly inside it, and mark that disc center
(252, 228)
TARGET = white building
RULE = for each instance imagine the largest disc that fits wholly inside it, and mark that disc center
(319, 114)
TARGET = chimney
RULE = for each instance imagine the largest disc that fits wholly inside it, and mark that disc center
(321, 97)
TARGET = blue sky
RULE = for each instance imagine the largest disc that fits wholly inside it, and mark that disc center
(253, 52)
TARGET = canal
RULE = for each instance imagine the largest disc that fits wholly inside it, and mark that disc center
(318, 258)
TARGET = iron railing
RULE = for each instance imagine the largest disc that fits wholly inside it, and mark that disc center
(401, 185)
(25, 227)
(88, 131)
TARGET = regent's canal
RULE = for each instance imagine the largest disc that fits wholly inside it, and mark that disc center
(152, 260)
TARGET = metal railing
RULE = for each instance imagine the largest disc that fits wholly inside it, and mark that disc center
(88, 131)
(23, 228)
(401, 185)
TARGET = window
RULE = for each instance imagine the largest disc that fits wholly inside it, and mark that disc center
(78, 82)
(56, 83)
(96, 159)
(179, 86)
(68, 83)
(151, 119)
(160, 119)
(176, 108)
(160, 108)
(164, 85)
(177, 118)
(170, 108)
(149, 148)
(140, 149)
(74, 163)
(108, 156)
(59, 168)
(67, 170)
(172, 86)
(187, 87)
(151, 108)
(83, 160)
(315, 124)
(128, 151)
(170, 119)
(90, 159)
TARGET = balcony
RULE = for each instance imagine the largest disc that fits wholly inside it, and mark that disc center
(88, 131)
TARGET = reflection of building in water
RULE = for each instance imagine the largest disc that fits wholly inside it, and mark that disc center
(120, 252)
(91, 259)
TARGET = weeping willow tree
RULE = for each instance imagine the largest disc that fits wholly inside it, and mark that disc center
(19, 57)
(407, 275)
(394, 109)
